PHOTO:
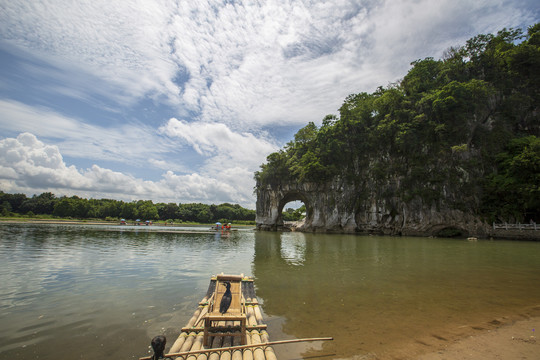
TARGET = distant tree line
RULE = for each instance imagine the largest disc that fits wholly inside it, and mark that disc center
(467, 124)
(79, 208)
(291, 214)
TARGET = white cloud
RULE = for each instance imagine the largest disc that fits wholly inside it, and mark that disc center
(293, 62)
(408, 30)
(211, 139)
(230, 157)
(35, 163)
(250, 65)
(30, 166)
(127, 143)
(204, 189)
(123, 42)
(230, 68)
(225, 155)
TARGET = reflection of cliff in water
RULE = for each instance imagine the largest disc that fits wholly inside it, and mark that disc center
(388, 288)
(301, 277)
(305, 271)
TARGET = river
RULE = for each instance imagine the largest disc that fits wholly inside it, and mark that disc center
(90, 291)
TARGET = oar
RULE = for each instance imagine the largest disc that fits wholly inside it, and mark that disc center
(242, 347)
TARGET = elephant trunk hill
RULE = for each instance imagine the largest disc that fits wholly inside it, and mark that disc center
(447, 151)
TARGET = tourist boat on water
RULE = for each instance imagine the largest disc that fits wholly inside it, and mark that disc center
(227, 325)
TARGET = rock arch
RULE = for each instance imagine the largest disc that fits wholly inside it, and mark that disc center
(324, 211)
(270, 203)
(293, 196)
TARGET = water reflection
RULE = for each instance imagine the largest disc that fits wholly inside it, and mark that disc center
(97, 292)
(105, 291)
(293, 249)
(377, 293)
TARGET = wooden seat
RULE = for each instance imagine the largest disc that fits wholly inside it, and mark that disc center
(215, 323)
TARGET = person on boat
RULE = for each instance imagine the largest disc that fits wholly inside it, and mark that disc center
(229, 226)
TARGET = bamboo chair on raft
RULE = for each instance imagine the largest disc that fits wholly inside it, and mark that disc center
(231, 323)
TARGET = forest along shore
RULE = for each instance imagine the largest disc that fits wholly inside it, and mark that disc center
(57, 221)
(518, 235)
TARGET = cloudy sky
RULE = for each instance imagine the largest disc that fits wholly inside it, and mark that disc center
(182, 100)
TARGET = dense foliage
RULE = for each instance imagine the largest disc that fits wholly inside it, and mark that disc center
(470, 119)
(79, 208)
(294, 215)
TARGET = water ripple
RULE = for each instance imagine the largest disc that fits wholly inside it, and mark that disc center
(102, 292)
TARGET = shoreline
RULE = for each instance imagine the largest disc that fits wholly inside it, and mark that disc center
(504, 338)
(513, 235)
(98, 222)
(507, 337)
(516, 339)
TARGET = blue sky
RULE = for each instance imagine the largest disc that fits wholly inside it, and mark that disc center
(181, 101)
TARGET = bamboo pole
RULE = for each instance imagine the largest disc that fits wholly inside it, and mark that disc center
(258, 352)
(189, 342)
(216, 343)
(258, 314)
(250, 289)
(247, 354)
(268, 351)
(236, 354)
(270, 343)
(251, 316)
(227, 343)
(202, 356)
(197, 345)
(178, 343)
(200, 319)
(195, 316)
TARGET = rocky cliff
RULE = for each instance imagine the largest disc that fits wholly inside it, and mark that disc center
(453, 144)
(338, 206)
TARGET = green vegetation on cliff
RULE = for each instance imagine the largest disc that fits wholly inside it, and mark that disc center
(462, 131)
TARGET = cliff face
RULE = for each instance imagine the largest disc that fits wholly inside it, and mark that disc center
(339, 206)
(454, 142)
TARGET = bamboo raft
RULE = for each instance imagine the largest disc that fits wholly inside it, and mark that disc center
(238, 334)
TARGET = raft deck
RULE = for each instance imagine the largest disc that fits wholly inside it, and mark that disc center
(242, 324)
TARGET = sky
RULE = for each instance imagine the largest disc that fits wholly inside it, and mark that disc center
(182, 101)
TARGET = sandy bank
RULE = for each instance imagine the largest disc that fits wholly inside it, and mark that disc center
(515, 340)
(506, 338)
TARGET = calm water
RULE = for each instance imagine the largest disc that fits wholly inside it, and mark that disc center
(87, 292)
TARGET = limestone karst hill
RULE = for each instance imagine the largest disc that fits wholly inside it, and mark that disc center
(449, 149)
